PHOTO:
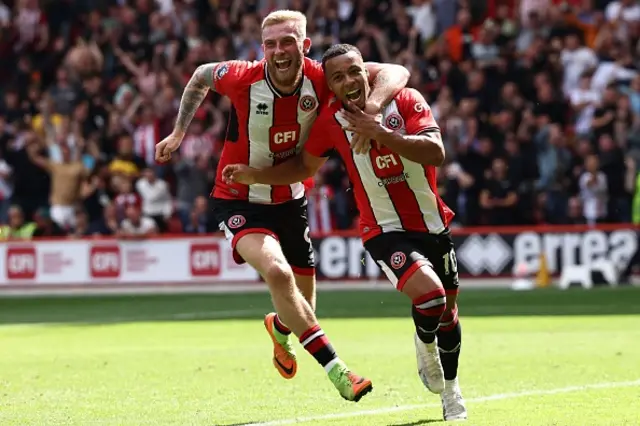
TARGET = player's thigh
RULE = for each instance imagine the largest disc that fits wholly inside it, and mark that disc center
(440, 251)
(263, 252)
(252, 235)
(293, 232)
(403, 263)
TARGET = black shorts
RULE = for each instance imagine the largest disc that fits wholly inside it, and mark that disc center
(400, 254)
(286, 222)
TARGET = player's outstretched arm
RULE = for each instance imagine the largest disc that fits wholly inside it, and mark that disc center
(387, 80)
(294, 170)
(194, 93)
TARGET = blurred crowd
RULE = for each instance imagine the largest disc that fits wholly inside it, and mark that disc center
(538, 101)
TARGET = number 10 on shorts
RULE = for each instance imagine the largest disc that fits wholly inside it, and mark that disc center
(450, 262)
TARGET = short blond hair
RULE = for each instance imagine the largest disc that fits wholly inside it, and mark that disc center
(286, 16)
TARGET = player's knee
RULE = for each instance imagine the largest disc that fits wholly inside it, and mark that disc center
(278, 274)
(426, 311)
(431, 304)
(422, 281)
(449, 319)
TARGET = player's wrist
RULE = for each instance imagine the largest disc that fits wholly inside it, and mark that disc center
(253, 176)
(383, 135)
(178, 134)
(373, 106)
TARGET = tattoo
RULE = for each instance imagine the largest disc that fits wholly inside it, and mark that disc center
(382, 79)
(194, 93)
(387, 84)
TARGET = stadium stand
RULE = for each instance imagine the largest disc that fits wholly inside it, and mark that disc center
(538, 101)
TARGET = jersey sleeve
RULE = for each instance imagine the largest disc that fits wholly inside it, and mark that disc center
(229, 76)
(314, 72)
(416, 112)
(321, 137)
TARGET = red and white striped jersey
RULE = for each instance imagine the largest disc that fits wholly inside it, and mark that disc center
(392, 193)
(319, 209)
(145, 138)
(266, 127)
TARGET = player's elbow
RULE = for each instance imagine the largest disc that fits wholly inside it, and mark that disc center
(404, 72)
(309, 172)
(438, 155)
(435, 147)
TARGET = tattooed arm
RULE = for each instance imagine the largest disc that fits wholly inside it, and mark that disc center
(194, 93)
(386, 81)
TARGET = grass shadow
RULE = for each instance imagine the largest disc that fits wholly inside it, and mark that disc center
(331, 304)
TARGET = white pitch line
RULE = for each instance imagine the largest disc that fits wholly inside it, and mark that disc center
(496, 397)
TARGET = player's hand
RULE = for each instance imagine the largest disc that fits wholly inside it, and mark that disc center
(238, 173)
(360, 144)
(365, 126)
(166, 147)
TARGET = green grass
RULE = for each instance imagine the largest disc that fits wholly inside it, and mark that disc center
(205, 360)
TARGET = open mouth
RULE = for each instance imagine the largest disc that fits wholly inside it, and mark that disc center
(283, 65)
(354, 95)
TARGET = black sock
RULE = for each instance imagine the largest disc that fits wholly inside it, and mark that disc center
(426, 312)
(449, 342)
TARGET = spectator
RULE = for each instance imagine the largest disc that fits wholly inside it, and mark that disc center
(125, 162)
(108, 224)
(576, 60)
(584, 101)
(194, 179)
(319, 208)
(126, 196)
(575, 212)
(198, 222)
(45, 226)
(593, 192)
(66, 178)
(499, 196)
(82, 227)
(17, 228)
(156, 198)
(6, 189)
(136, 225)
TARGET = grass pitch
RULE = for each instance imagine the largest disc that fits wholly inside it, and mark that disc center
(528, 358)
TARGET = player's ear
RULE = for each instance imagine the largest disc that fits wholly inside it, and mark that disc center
(306, 46)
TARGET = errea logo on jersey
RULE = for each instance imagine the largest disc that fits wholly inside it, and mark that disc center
(262, 109)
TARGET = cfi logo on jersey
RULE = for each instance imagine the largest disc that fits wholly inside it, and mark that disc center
(221, 71)
(308, 103)
(394, 122)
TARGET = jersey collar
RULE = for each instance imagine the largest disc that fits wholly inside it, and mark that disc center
(273, 88)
